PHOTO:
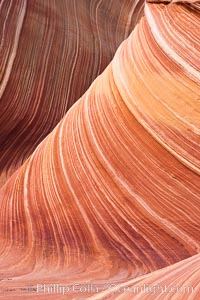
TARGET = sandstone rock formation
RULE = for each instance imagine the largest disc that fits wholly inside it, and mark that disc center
(179, 281)
(50, 53)
(111, 195)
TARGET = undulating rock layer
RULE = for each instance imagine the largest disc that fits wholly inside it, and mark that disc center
(111, 197)
(179, 281)
(50, 53)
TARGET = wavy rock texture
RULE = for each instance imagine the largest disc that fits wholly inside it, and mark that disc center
(175, 122)
(112, 194)
(181, 281)
(50, 53)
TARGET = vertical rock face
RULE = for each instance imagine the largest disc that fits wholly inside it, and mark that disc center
(50, 53)
(111, 195)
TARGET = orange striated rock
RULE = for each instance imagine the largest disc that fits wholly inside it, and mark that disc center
(167, 73)
(111, 196)
(50, 53)
(179, 281)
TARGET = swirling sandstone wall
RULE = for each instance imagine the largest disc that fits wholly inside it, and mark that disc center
(111, 195)
(50, 53)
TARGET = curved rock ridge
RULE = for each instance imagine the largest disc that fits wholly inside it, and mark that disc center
(180, 281)
(168, 74)
(50, 53)
(112, 193)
